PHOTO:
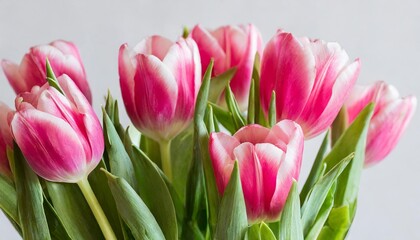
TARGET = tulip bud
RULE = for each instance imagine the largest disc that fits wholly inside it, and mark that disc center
(268, 160)
(159, 84)
(390, 118)
(311, 78)
(59, 135)
(230, 46)
(64, 58)
(6, 140)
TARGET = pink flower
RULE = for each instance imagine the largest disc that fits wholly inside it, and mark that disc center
(268, 159)
(6, 140)
(390, 118)
(60, 136)
(64, 59)
(230, 46)
(159, 83)
(311, 78)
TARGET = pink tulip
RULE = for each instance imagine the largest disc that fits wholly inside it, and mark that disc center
(60, 136)
(230, 46)
(311, 78)
(390, 118)
(64, 59)
(159, 83)
(268, 159)
(6, 140)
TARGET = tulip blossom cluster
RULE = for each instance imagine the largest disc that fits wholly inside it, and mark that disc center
(235, 166)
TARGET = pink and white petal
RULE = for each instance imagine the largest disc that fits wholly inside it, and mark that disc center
(154, 45)
(67, 48)
(221, 148)
(156, 95)
(387, 127)
(181, 60)
(251, 180)
(288, 67)
(341, 90)
(240, 82)
(330, 60)
(50, 146)
(360, 97)
(290, 166)
(253, 133)
(270, 158)
(5, 132)
(127, 70)
(209, 48)
(84, 115)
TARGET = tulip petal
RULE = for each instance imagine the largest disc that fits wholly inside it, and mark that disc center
(156, 96)
(386, 128)
(288, 67)
(341, 90)
(251, 179)
(209, 48)
(253, 133)
(183, 60)
(155, 45)
(40, 136)
(127, 70)
(270, 158)
(290, 166)
(221, 148)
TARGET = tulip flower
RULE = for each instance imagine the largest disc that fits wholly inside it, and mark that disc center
(64, 58)
(60, 136)
(6, 140)
(268, 160)
(230, 46)
(391, 117)
(311, 78)
(159, 83)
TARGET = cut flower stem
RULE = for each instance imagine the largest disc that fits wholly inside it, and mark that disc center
(96, 209)
(165, 155)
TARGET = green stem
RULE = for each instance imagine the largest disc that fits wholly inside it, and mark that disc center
(96, 209)
(165, 155)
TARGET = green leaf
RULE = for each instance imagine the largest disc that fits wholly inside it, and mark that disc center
(290, 224)
(319, 192)
(209, 118)
(73, 211)
(322, 215)
(133, 210)
(352, 140)
(155, 194)
(272, 115)
(316, 169)
(266, 232)
(260, 231)
(185, 32)
(119, 160)
(97, 180)
(224, 117)
(181, 156)
(8, 200)
(55, 224)
(232, 221)
(233, 107)
(339, 126)
(201, 163)
(30, 198)
(151, 148)
(259, 115)
(339, 221)
(251, 103)
(51, 79)
(219, 83)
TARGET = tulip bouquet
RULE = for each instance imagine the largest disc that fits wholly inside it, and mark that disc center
(219, 124)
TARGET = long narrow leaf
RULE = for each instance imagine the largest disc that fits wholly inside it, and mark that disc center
(290, 224)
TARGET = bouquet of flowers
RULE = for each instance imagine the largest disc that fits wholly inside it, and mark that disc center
(219, 124)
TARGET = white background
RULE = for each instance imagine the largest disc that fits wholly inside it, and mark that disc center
(384, 34)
